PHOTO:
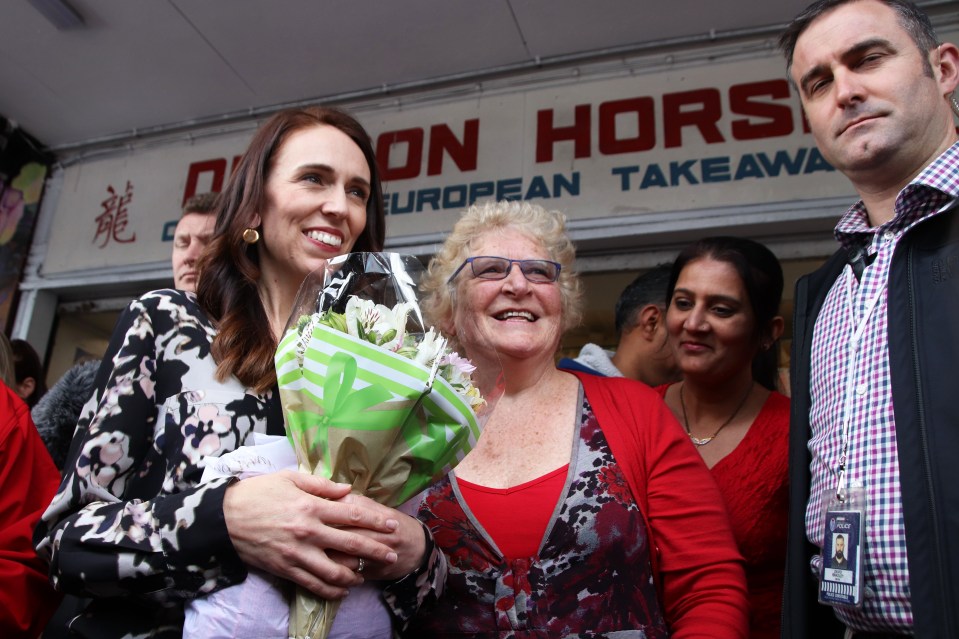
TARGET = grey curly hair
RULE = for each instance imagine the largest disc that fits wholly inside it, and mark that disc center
(547, 228)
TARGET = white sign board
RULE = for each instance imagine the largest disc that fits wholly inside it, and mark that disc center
(717, 134)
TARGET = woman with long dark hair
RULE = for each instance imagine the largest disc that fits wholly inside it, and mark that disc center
(724, 325)
(187, 378)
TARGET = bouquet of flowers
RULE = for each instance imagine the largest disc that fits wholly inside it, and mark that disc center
(370, 396)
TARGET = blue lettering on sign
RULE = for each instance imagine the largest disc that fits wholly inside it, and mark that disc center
(454, 197)
(721, 169)
(773, 167)
(748, 167)
(538, 189)
(687, 172)
(509, 189)
(684, 169)
(169, 230)
(654, 177)
(458, 196)
(715, 169)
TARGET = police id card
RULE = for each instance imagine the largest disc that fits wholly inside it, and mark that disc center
(841, 583)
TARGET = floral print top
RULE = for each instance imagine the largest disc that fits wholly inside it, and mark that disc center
(591, 577)
(130, 525)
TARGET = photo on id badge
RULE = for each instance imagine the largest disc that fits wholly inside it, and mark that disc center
(842, 554)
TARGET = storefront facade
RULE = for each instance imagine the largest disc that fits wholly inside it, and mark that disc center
(644, 154)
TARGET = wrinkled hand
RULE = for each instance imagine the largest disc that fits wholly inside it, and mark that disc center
(408, 541)
(289, 523)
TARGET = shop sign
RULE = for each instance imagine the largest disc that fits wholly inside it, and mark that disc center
(619, 146)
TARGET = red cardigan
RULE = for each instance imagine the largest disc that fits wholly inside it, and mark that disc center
(699, 570)
(28, 481)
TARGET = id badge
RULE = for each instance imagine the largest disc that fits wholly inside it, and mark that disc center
(843, 551)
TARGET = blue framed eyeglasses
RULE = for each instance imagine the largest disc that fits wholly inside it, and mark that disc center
(490, 267)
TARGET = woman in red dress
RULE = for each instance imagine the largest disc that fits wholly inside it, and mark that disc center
(724, 324)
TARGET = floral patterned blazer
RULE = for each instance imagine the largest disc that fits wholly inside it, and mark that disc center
(130, 525)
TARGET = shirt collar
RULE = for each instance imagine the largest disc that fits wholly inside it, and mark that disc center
(939, 181)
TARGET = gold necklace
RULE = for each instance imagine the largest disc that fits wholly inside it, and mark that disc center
(705, 440)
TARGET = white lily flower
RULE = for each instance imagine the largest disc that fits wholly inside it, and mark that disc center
(391, 319)
(359, 316)
(430, 348)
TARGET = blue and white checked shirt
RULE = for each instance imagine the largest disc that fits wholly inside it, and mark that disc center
(871, 456)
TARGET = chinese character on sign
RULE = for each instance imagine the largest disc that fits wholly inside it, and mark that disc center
(112, 223)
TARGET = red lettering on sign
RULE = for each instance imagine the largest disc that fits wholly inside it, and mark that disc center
(547, 135)
(627, 125)
(778, 117)
(762, 102)
(112, 223)
(464, 154)
(705, 117)
(216, 166)
(645, 113)
(414, 154)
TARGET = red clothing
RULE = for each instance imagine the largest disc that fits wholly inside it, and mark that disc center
(699, 571)
(589, 576)
(516, 517)
(754, 481)
(638, 494)
(28, 481)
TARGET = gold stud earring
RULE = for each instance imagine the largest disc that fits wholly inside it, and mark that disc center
(251, 236)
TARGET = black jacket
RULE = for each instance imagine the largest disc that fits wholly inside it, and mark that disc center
(57, 412)
(923, 333)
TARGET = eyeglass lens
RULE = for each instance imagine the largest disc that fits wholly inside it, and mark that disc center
(497, 268)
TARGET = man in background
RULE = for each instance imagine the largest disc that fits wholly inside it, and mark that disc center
(874, 429)
(192, 234)
(642, 353)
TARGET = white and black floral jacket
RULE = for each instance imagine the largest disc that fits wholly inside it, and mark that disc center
(130, 525)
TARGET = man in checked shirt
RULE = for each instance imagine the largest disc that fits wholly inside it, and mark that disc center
(875, 401)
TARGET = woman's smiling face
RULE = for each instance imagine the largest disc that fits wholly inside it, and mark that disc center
(515, 318)
(711, 325)
(316, 195)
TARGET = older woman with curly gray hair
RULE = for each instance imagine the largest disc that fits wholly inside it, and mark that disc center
(506, 219)
(580, 511)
